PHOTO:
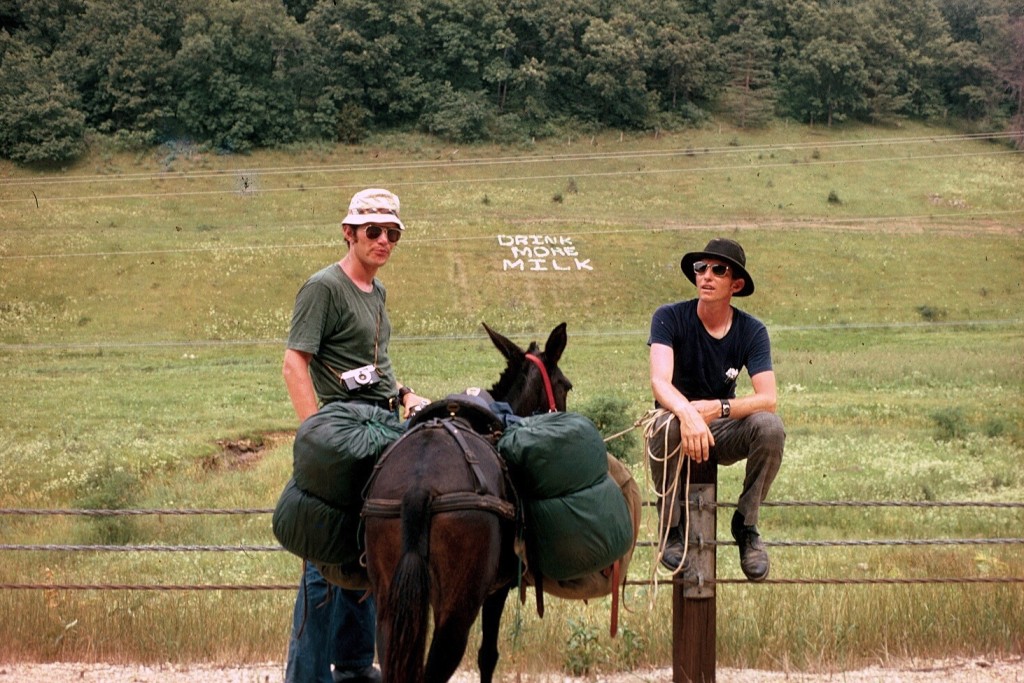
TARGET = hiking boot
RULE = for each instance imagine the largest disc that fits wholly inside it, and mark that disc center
(753, 557)
(368, 674)
(672, 556)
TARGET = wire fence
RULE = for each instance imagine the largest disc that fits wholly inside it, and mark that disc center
(159, 548)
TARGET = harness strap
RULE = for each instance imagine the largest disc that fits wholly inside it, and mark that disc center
(616, 581)
(446, 502)
(471, 460)
(477, 499)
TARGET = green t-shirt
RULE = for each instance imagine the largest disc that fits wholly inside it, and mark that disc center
(344, 328)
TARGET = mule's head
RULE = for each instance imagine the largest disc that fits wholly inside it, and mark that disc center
(521, 385)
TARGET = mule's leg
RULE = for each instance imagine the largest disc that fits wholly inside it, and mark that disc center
(487, 657)
(447, 647)
(383, 628)
(465, 550)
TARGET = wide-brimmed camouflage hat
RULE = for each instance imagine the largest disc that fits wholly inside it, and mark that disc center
(374, 205)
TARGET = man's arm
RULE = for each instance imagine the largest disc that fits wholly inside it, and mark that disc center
(694, 416)
(298, 382)
(763, 400)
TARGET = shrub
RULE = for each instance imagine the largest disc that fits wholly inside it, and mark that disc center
(930, 313)
(611, 415)
(995, 428)
(460, 116)
(950, 424)
(583, 651)
(111, 488)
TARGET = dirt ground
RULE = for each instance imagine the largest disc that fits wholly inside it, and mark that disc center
(975, 670)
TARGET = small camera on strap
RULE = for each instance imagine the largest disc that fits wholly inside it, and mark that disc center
(358, 379)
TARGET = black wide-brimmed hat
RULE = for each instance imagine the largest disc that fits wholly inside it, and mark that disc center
(724, 250)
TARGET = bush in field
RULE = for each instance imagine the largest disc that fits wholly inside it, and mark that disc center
(931, 313)
(611, 415)
(111, 488)
(950, 424)
(583, 651)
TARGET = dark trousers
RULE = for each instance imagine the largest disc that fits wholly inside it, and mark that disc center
(759, 439)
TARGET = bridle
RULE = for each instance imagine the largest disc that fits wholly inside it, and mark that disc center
(552, 408)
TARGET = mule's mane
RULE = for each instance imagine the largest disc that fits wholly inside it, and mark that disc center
(511, 376)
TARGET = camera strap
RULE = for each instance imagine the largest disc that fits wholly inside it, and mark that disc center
(376, 333)
(376, 344)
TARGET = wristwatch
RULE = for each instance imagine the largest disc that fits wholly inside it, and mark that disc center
(402, 393)
(726, 408)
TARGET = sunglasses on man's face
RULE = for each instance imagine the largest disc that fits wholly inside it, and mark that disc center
(719, 269)
(373, 232)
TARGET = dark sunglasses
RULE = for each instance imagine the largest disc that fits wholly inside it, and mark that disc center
(373, 232)
(719, 269)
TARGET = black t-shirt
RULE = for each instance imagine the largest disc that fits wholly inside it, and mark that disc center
(705, 367)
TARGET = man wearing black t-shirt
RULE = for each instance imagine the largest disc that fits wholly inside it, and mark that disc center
(698, 348)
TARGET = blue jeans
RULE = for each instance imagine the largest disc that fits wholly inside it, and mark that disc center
(329, 626)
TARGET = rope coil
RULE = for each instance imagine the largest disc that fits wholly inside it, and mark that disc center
(652, 431)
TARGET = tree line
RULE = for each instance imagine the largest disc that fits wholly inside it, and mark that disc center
(238, 75)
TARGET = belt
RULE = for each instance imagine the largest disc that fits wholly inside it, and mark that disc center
(389, 404)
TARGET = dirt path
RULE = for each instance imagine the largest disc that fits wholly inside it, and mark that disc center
(976, 670)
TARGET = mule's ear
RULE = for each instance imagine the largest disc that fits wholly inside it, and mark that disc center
(555, 345)
(508, 348)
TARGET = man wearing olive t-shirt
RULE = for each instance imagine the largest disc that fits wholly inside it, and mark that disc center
(338, 351)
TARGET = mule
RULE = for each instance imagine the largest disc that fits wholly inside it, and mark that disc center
(445, 543)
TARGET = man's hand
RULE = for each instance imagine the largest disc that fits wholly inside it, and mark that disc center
(413, 403)
(695, 438)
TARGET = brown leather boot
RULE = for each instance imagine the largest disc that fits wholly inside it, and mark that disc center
(753, 557)
(672, 556)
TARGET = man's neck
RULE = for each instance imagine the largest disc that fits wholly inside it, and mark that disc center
(716, 317)
(358, 272)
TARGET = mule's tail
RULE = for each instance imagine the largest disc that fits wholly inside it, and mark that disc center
(408, 599)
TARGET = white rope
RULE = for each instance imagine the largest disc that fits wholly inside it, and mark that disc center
(625, 431)
(648, 421)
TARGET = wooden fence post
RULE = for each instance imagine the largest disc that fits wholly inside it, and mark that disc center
(693, 592)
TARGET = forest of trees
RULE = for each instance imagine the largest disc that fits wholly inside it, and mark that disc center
(241, 74)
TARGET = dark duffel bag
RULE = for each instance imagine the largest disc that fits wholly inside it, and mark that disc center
(315, 530)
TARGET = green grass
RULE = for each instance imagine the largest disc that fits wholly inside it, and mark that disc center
(144, 303)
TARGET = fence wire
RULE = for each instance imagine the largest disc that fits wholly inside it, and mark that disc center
(151, 548)
(269, 511)
(987, 580)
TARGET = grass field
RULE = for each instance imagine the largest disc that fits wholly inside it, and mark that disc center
(144, 299)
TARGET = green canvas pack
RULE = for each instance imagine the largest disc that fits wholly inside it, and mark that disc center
(553, 454)
(577, 518)
(581, 532)
(317, 515)
(315, 530)
(336, 448)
